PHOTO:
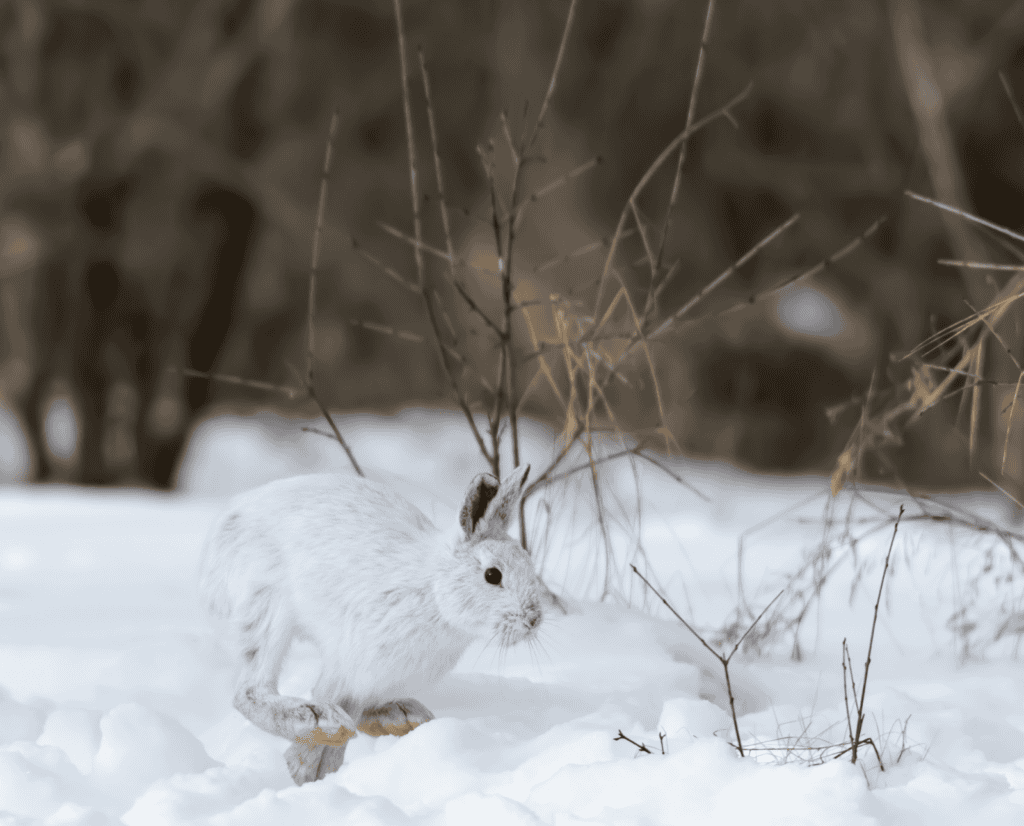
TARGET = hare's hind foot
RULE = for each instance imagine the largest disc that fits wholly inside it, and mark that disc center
(306, 764)
(319, 730)
(320, 751)
(397, 718)
(314, 756)
(292, 718)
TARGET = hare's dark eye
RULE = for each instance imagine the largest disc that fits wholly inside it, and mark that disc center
(493, 576)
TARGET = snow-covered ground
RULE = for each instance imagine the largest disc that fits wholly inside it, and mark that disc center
(115, 703)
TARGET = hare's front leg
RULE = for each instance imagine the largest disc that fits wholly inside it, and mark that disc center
(398, 718)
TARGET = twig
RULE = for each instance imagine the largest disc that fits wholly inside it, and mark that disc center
(388, 271)
(314, 263)
(308, 378)
(569, 18)
(691, 112)
(963, 214)
(418, 246)
(666, 153)
(672, 319)
(1009, 423)
(519, 159)
(1001, 489)
(311, 304)
(640, 746)
(846, 697)
(576, 253)
(1009, 96)
(506, 270)
(724, 660)
(291, 392)
(871, 642)
(977, 265)
(438, 174)
(547, 189)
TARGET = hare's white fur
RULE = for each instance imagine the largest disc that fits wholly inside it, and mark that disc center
(390, 601)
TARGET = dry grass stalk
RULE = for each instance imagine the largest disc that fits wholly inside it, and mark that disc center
(980, 325)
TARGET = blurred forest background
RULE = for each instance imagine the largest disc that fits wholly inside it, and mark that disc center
(160, 161)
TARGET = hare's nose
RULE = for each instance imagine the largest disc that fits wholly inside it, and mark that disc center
(533, 616)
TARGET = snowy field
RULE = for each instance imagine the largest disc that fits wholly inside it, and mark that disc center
(115, 693)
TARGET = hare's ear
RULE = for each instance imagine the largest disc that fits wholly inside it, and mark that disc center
(481, 491)
(502, 505)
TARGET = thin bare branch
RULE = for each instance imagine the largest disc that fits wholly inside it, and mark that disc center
(418, 245)
(337, 433)
(979, 361)
(1001, 489)
(384, 329)
(291, 392)
(317, 431)
(666, 153)
(1009, 423)
(750, 628)
(871, 640)
(438, 174)
(311, 303)
(462, 210)
(1010, 97)
(569, 18)
(655, 294)
(672, 319)
(966, 215)
(507, 130)
(476, 308)
(977, 265)
(556, 184)
(833, 259)
(519, 158)
(997, 337)
(645, 239)
(315, 254)
(720, 657)
(846, 696)
(388, 271)
(586, 249)
(667, 470)
(691, 112)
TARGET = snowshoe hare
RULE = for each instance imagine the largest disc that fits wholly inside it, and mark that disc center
(391, 605)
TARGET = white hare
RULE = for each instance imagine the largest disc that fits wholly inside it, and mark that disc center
(390, 604)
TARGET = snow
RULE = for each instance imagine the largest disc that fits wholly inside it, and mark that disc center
(115, 688)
